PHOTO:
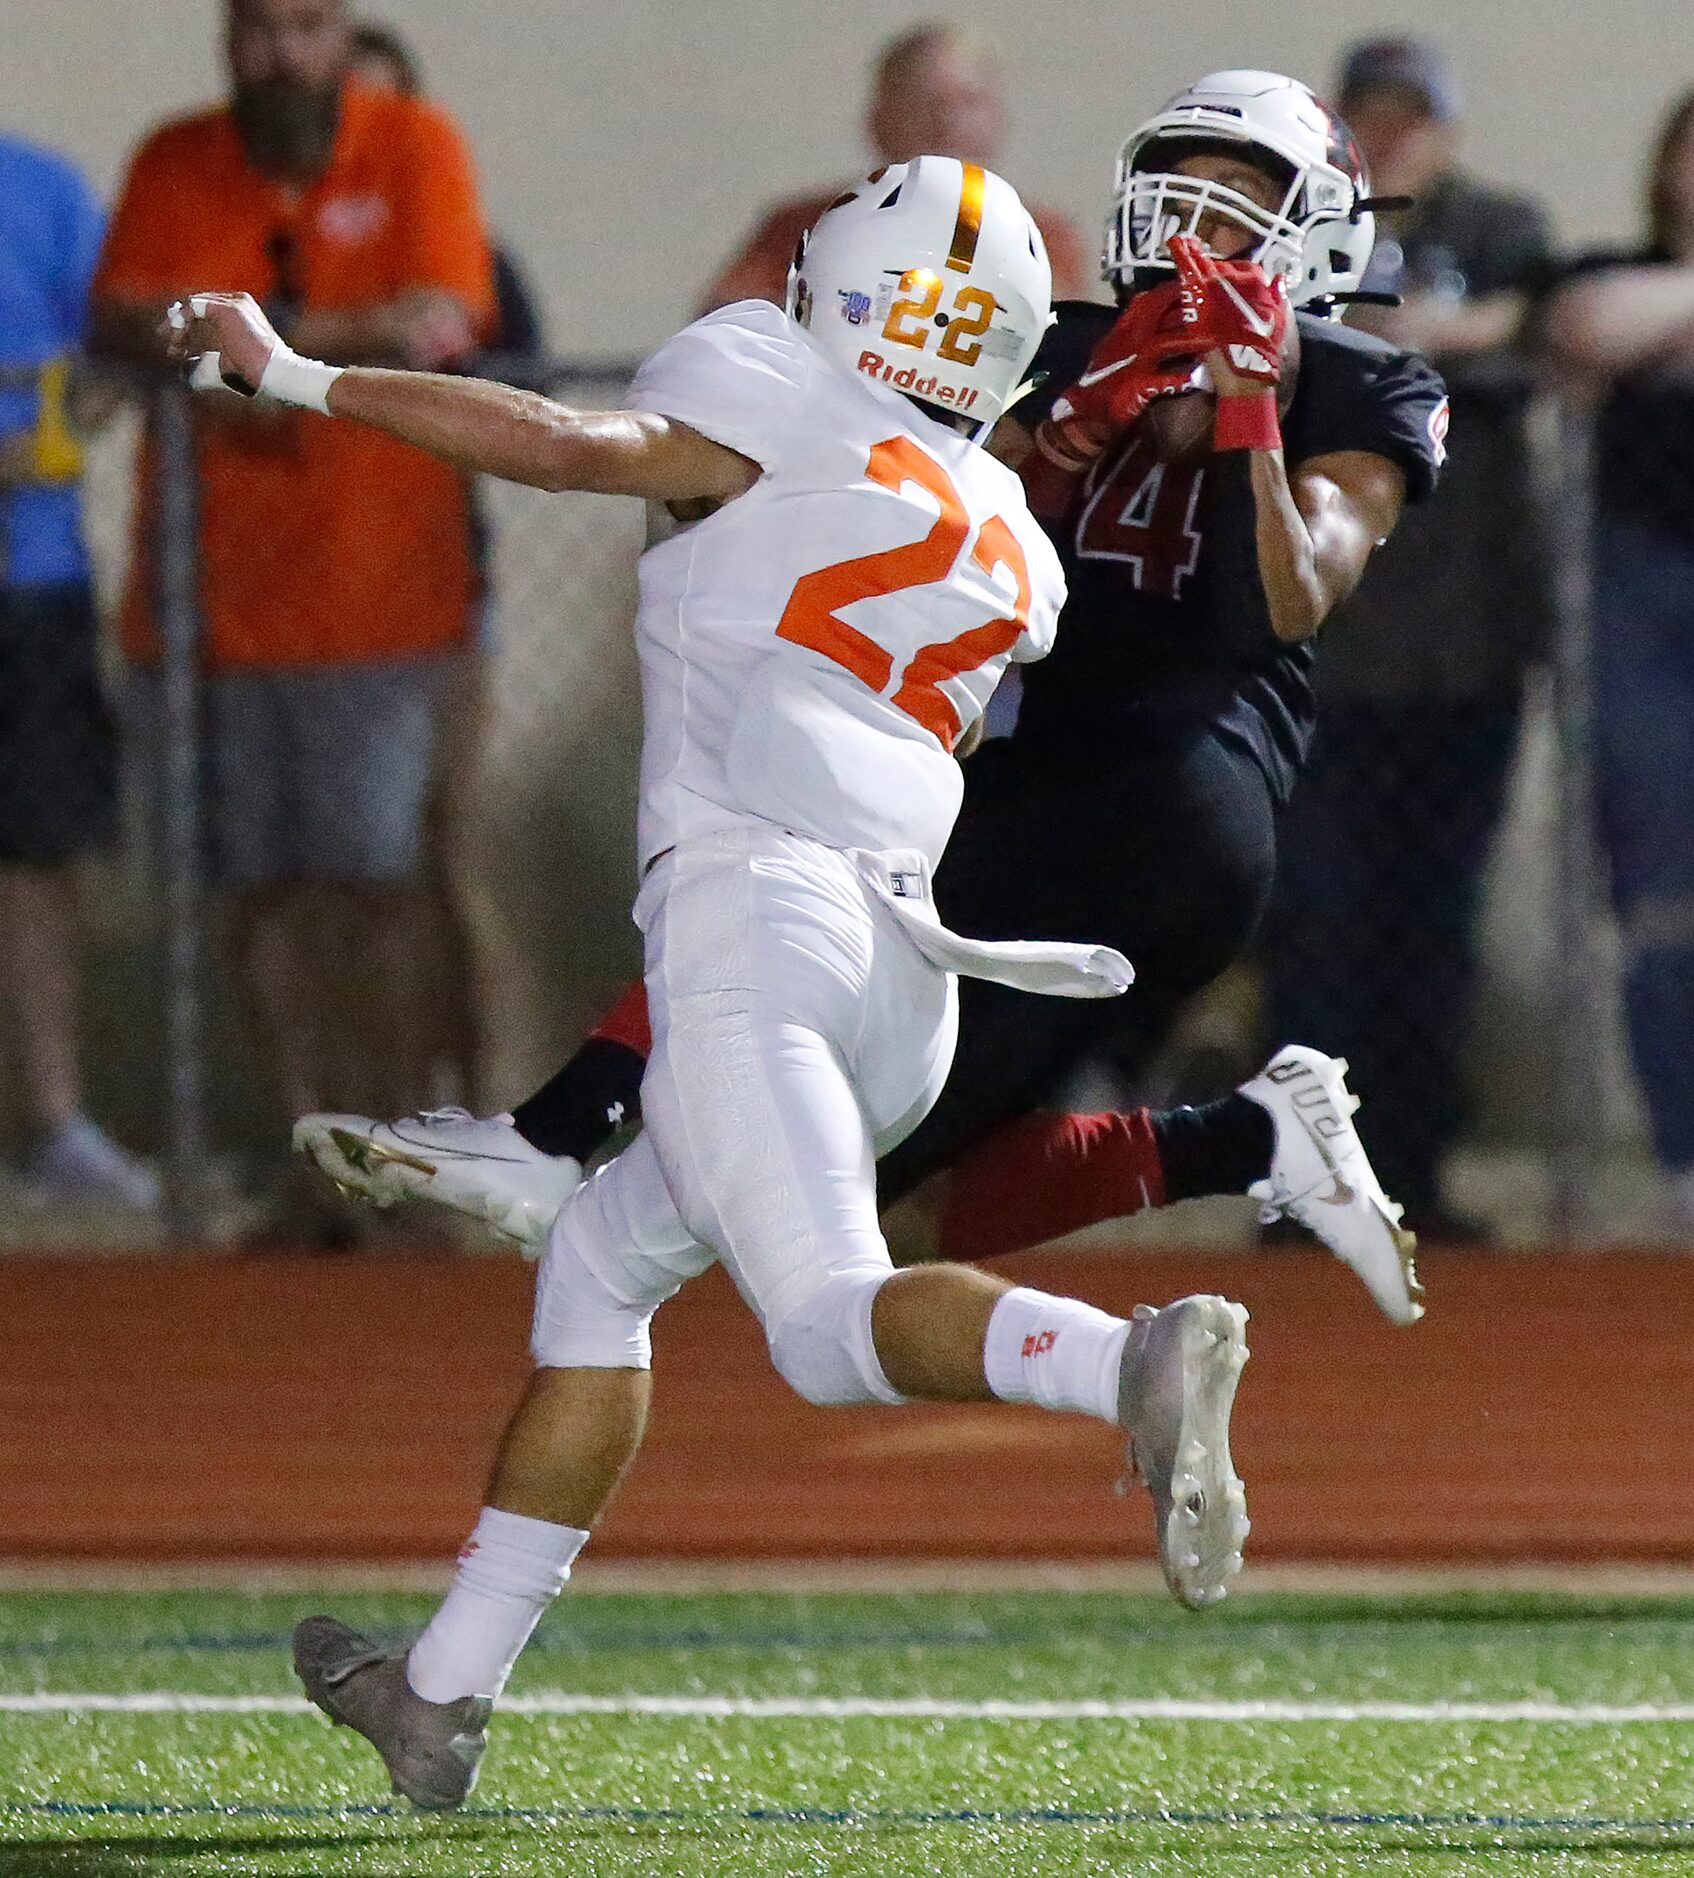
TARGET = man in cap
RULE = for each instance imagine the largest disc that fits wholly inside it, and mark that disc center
(1421, 682)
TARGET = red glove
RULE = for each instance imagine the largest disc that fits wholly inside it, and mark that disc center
(1150, 350)
(1237, 309)
(1244, 314)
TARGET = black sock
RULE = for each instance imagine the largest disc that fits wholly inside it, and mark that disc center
(578, 1110)
(1219, 1147)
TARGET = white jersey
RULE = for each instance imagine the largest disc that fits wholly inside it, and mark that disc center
(811, 653)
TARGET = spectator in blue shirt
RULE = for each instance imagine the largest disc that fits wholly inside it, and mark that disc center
(57, 748)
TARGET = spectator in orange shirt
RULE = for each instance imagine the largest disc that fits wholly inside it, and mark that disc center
(336, 574)
(381, 56)
(934, 89)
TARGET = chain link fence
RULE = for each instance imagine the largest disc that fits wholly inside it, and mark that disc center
(538, 831)
(1421, 911)
(1440, 920)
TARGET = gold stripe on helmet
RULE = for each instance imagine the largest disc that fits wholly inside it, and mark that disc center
(969, 225)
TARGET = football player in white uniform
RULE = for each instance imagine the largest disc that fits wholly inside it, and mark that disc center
(812, 652)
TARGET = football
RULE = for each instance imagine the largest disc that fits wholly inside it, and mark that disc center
(1179, 425)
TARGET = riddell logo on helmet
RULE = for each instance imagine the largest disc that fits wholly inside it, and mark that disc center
(907, 378)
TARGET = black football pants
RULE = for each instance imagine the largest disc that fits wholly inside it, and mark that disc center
(1166, 851)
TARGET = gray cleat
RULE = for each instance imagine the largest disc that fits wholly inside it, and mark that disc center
(431, 1749)
(1175, 1392)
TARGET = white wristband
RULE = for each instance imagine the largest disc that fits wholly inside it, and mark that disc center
(291, 379)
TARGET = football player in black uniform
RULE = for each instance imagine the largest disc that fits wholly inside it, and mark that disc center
(1212, 504)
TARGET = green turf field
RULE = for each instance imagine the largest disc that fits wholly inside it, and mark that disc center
(879, 1734)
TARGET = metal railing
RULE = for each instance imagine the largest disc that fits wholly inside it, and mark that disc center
(177, 609)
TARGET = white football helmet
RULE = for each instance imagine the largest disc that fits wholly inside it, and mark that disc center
(932, 277)
(1319, 239)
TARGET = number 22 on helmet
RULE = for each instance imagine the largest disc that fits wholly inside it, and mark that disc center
(931, 277)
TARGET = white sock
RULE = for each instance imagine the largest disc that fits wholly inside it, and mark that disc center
(1054, 1351)
(510, 1570)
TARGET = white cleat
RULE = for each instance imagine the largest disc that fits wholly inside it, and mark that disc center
(1175, 1393)
(482, 1168)
(1321, 1177)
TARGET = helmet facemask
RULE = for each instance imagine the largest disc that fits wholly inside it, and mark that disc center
(1316, 233)
(1155, 202)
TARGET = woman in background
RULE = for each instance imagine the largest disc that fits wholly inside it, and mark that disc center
(1621, 324)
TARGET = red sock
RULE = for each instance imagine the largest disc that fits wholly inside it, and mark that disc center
(1047, 1175)
(626, 1022)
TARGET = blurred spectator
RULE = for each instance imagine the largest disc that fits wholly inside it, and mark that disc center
(934, 89)
(1371, 942)
(337, 577)
(381, 57)
(57, 751)
(1622, 323)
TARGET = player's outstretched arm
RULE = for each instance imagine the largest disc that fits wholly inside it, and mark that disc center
(526, 438)
(474, 425)
(1616, 318)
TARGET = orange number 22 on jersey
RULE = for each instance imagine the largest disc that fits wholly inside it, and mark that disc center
(812, 617)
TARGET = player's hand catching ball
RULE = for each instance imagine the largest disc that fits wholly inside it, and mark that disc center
(1241, 314)
(1136, 364)
(1149, 351)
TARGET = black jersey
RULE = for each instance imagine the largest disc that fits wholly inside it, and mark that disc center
(1166, 625)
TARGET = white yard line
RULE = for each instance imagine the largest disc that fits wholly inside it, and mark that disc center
(897, 1708)
(675, 1577)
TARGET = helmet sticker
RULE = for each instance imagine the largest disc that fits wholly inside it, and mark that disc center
(968, 227)
(1003, 342)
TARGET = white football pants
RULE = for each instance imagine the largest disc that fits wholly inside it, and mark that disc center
(798, 1032)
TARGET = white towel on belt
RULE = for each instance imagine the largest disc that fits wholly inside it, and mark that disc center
(1053, 968)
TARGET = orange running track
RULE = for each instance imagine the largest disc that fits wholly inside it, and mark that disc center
(181, 1408)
